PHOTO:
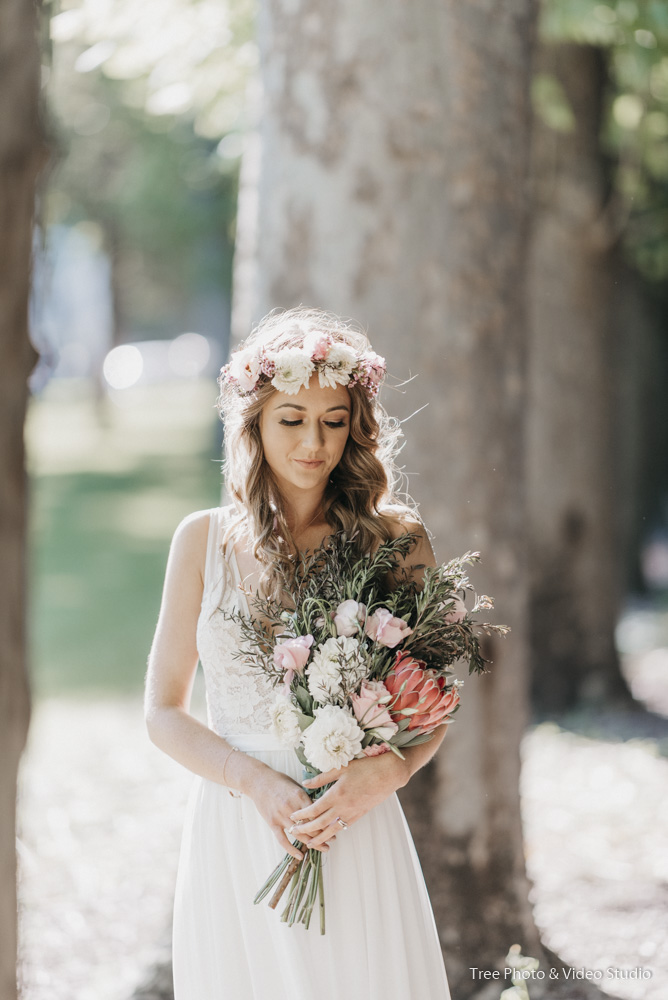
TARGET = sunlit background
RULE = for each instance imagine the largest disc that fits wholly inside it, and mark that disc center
(150, 106)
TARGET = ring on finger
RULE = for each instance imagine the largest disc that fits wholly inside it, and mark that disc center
(296, 823)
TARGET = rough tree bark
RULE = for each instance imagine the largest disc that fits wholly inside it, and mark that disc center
(394, 144)
(22, 154)
(576, 564)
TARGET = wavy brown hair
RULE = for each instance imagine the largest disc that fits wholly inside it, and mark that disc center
(361, 497)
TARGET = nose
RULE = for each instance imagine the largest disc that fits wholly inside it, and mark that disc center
(313, 438)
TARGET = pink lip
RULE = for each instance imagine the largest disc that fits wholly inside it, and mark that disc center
(309, 465)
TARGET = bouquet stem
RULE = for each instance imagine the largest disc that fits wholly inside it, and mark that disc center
(285, 881)
(307, 885)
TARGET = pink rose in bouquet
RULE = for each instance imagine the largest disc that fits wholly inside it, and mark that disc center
(424, 692)
(385, 629)
(292, 656)
(348, 618)
(457, 613)
(370, 712)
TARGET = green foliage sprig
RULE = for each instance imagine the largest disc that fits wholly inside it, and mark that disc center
(335, 572)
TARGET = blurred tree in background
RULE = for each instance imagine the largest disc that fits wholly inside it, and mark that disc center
(23, 155)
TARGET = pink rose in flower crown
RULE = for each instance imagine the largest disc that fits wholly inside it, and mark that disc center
(292, 656)
(375, 366)
(317, 345)
(385, 629)
(348, 618)
(420, 693)
(245, 368)
(369, 710)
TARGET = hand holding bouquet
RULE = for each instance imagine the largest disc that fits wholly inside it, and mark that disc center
(362, 669)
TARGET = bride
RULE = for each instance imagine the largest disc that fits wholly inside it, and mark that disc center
(308, 451)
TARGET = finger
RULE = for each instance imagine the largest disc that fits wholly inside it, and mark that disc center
(318, 824)
(322, 779)
(324, 835)
(287, 844)
(306, 813)
(306, 827)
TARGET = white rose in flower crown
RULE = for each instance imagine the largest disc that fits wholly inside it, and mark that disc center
(336, 370)
(333, 738)
(284, 722)
(293, 370)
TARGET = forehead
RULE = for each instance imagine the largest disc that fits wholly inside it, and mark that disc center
(314, 399)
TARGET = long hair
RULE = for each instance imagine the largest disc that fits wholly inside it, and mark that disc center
(361, 496)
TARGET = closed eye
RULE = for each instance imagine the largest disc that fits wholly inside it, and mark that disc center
(296, 423)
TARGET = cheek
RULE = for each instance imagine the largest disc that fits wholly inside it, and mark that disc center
(340, 445)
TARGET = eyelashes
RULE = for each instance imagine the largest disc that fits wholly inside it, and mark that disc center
(330, 423)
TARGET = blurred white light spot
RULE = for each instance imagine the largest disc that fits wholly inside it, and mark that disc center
(189, 354)
(231, 146)
(628, 111)
(93, 57)
(645, 38)
(123, 366)
(170, 100)
(67, 25)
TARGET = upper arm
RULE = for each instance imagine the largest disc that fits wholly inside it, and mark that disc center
(172, 662)
(421, 555)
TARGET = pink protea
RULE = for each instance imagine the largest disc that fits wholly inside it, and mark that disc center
(424, 691)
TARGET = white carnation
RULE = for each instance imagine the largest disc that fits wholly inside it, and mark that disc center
(337, 369)
(333, 738)
(284, 722)
(293, 370)
(324, 671)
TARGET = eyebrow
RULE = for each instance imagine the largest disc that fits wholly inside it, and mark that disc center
(293, 406)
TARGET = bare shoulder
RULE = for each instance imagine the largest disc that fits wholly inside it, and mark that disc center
(189, 542)
(403, 520)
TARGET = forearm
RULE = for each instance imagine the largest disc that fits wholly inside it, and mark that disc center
(418, 756)
(202, 751)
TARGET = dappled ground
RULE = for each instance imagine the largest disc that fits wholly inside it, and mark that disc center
(101, 809)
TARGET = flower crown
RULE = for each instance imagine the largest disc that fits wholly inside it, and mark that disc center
(290, 368)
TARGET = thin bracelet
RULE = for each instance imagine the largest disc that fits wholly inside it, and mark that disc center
(236, 795)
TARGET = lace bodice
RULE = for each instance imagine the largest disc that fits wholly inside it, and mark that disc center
(238, 696)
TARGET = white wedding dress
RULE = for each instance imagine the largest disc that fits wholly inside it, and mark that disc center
(381, 941)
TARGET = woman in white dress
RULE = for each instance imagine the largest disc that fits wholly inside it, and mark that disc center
(309, 450)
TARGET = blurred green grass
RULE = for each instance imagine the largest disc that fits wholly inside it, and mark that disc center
(110, 478)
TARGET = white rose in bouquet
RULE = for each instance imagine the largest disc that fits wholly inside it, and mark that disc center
(284, 722)
(333, 738)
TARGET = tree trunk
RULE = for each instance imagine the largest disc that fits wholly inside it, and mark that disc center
(392, 188)
(576, 565)
(21, 156)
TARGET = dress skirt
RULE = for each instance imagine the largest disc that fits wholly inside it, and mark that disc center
(381, 941)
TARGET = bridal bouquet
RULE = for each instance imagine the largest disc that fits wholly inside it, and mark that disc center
(360, 669)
